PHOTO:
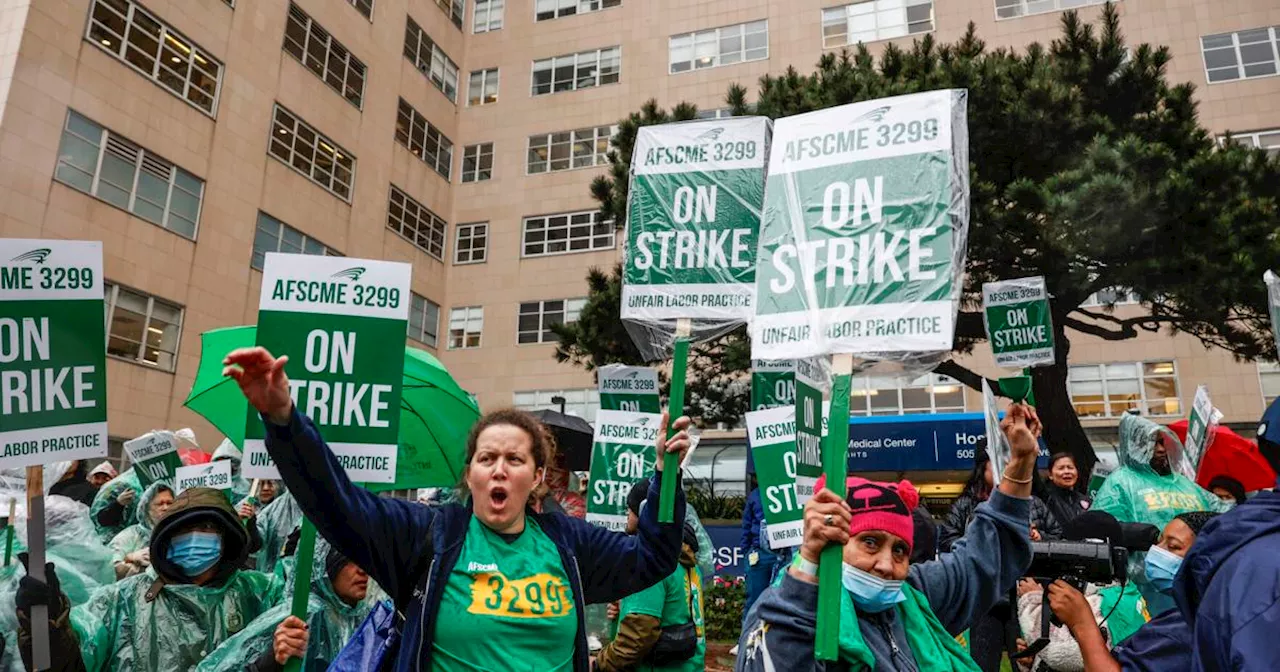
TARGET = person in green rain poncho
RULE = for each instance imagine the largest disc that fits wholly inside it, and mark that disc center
(170, 617)
(240, 486)
(1151, 487)
(113, 507)
(131, 549)
(275, 522)
(336, 606)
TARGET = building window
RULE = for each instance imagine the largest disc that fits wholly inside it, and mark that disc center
(582, 402)
(1110, 390)
(1009, 9)
(141, 39)
(488, 16)
(273, 235)
(875, 20)
(472, 243)
(424, 320)
(1113, 296)
(111, 168)
(454, 9)
(718, 113)
(309, 152)
(566, 150)
(483, 88)
(142, 328)
(930, 393)
(719, 46)
(1241, 55)
(418, 225)
(565, 233)
(364, 7)
(537, 317)
(465, 325)
(477, 162)
(577, 71)
(315, 48)
(1268, 140)
(430, 60)
(424, 140)
(1269, 376)
(545, 10)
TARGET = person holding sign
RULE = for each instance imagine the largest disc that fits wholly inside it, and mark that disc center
(131, 549)
(481, 584)
(895, 615)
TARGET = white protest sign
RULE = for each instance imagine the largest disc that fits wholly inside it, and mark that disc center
(216, 475)
(1200, 426)
(772, 435)
(154, 456)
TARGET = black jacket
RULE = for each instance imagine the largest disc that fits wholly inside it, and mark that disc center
(961, 513)
(1065, 504)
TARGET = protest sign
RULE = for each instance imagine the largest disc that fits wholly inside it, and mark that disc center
(216, 475)
(1273, 305)
(53, 377)
(813, 387)
(1199, 428)
(862, 244)
(341, 321)
(773, 383)
(998, 447)
(772, 434)
(629, 388)
(1019, 323)
(154, 456)
(622, 454)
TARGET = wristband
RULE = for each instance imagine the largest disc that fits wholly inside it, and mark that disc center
(806, 567)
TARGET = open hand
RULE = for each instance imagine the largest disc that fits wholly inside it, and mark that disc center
(817, 532)
(678, 443)
(290, 640)
(262, 380)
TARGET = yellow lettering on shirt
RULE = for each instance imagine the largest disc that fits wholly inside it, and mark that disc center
(1159, 501)
(538, 596)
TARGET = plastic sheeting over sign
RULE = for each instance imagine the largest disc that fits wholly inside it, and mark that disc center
(693, 216)
(862, 246)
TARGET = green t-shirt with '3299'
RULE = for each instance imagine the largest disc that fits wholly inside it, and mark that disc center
(507, 606)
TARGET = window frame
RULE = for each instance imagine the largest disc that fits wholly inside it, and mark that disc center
(543, 325)
(598, 159)
(318, 139)
(595, 214)
(485, 75)
(1271, 369)
(1273, 34)
(479, 171)
(166, 35)
(427, 68)
(455, 10)
(416, 118)
(489, 12)
(1143, 402)
(576, 76)
(437, 229)
(420, 337)
(466, 320)
(1254, 139)
(577, 9)
(308, 29)
(715, 113)
(861, 391)
(355, 4)
(1127, 297)
(875, 12)
(111, 302)
(717, 35)
(471, 228)
(1057, 7)
(279, 236)
(590, 401)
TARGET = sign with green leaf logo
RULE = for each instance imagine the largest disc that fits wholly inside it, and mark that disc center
(216, 475)
(1019, 322)
(154, 456)
(623, 453)
(628, 388)
(772, 434)
(773, 384)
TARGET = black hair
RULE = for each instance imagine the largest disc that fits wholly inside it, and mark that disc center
(1196, 520)
(1231, 485)
(976, 486)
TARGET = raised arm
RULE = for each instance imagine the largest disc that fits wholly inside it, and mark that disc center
(386, 537)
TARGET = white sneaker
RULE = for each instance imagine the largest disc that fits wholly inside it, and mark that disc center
(593, 643)
(734, 650)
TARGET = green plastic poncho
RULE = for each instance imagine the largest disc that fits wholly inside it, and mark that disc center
(240, 486)
(137, 535)
(330, 623)
(276, 521)
(1135, 493)
(107, 494)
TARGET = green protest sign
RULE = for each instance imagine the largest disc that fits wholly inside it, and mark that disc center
(622, 454)
(773, 384)
(341, 321)
(216, 475)
(154, 456)
(813, 386)
(53, 373)
(629, 388)
(772, 434)
(1019, 323)
(1273, 305)
(693, 213)
(1199, 428)
(863, 240)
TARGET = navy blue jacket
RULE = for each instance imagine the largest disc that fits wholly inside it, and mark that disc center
(752, 516)
(410, 549)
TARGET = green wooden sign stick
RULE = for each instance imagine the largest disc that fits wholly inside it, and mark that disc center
(302, 581)
(835, 467)
(671, 461)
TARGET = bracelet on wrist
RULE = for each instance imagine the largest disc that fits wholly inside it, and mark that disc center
(1019, 481)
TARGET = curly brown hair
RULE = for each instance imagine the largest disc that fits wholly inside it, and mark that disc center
(542, 443)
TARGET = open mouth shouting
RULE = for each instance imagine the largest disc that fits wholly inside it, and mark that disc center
(498, 497)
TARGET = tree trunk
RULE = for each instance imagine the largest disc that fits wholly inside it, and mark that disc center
(1062, 429)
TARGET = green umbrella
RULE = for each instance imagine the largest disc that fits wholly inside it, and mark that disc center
(435, 413)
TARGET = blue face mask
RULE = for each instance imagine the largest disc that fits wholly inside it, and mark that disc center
(1161, 566)
(195, 552)
(870, 592)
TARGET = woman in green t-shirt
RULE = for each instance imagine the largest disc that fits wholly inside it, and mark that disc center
(488, 584)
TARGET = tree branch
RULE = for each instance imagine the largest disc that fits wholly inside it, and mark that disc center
(1126, 331)
(966, 376)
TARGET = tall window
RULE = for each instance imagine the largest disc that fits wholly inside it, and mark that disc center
(930, 393)
(1109, 390)
(472, 243)
(139, 38)
(565, 233)
(363, 6)
(424, 140)
(874, 20)
(142, 328)
(465, 325)
(1269, 376)
(477, 162)
(577, 71)
(1241, 55)
(581, 148)
(454, 9)
(1268, 140)
(315, 48)
(719, 46)
(424, 320)
(483, 88)
(420, 226)
(103, 164)
(488, 16)
(307, 151)
(537, 317)
(1008, 9)
(582, 402)
(545, 10)
(430, 59)
(273, 235)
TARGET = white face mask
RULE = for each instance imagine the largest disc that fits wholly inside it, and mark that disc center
(870, 592)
